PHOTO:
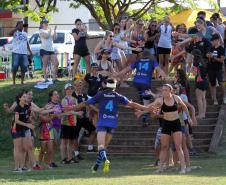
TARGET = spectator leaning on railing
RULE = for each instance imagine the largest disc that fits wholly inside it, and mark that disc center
(19, 51)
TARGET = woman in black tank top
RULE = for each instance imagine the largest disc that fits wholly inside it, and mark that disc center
(80, 49)
(168, 104)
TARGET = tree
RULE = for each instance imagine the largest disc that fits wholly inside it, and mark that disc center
(40, 10)
(106, 12)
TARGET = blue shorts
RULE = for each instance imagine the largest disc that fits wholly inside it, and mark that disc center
(44, 52)
(109, 130)
(18, 134)
(19, 60)
(141, 88)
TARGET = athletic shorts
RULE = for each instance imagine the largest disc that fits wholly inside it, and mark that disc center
(84, 123)
(171, 126)
(19, 60)
(158, 138)
(44, 52)
(141, 88)
(18, 134)
(68, 132)
(109, 130)
(164, 51)
(215, 75)
(203, 86)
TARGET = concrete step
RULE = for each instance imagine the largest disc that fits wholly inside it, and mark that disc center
(132, 115)
(130, 121)
(145, 141)
(210, 108)
(152, 134)
(126, 128)
(138, 149)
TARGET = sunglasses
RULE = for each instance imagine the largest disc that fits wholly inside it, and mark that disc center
(110, 35)
(154, 25)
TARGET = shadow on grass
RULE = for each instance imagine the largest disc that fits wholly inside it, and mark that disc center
(120, 167)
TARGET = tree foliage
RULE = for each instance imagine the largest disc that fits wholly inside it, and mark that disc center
(41, 9)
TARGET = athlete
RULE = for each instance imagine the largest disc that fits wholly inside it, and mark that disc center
(142, 80)
(108, 101)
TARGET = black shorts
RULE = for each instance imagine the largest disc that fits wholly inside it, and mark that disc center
(82, 51)
(215, 75)
(204, 85)
(68, 132)
(44, 52)
(164, 51)
(171, 126)
(84, 123)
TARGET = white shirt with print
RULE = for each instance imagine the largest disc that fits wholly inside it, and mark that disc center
(19, 43)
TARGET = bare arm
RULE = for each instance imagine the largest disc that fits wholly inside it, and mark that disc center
(76, 36)
(17, 121)
(124, 71)
(161, 72)
(9, 109)
(98, 47)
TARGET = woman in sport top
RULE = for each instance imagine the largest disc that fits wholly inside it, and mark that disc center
(171, 124)
(80, 49)
(68, 126)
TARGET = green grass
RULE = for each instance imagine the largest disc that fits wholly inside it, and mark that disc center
(131, 171)
(7, 95)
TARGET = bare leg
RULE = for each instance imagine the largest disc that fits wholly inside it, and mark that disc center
(45, 61)
(55, 65)
(88, 67)
(165, 139)
(76, 63)
(177, 137)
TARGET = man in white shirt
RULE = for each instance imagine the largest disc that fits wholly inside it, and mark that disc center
(19, 51)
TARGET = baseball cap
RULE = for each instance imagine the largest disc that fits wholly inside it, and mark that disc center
(215, 37)
(45, 20)
(67, 86)
(106, 51)
(94, 65)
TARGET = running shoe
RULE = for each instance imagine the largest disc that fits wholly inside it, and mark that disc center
(182, 171)
(106, 167)
(156, 162)
(64, 161)
(52, 165)
(71, 161)
(37, 167)
(24, 169)
(17, 170)
(94, 168)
